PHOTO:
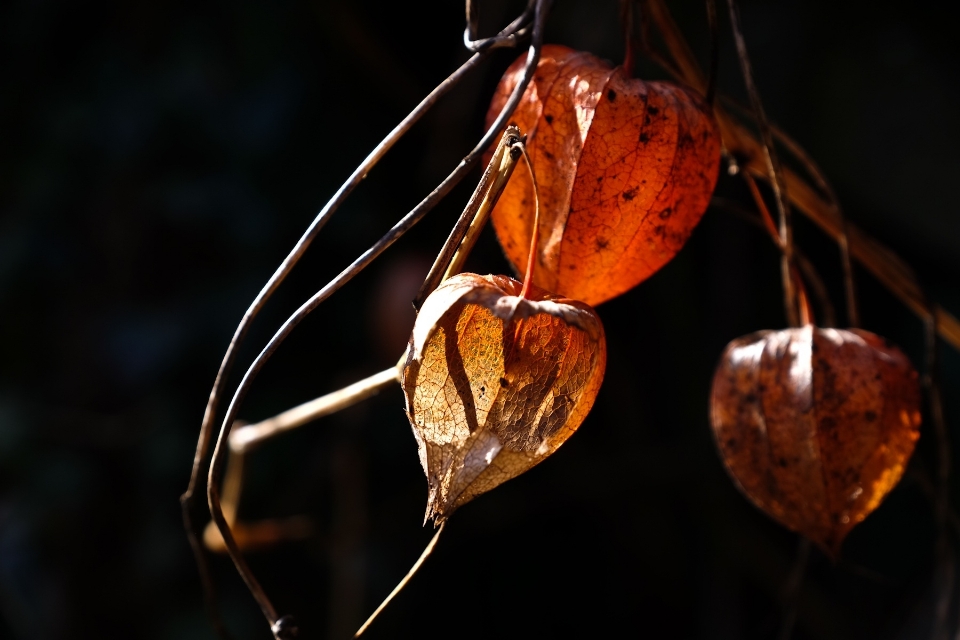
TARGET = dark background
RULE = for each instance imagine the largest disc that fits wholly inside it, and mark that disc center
(157, 161)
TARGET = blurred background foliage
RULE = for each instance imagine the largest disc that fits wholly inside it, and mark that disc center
(157, 161)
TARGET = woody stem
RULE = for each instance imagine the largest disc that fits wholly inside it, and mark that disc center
(535, 235)
(626, 15)
(803, 300)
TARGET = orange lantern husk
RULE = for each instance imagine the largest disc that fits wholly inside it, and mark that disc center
(495, 382)
(626, 169)
(815, 425)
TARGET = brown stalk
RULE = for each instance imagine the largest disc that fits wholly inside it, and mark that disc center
(945, 551)
(774, 170)
(189, 500)
(284, 627)
(806, 315)
(809, 272)
(626, 19)
(535, 236)
(791, 590)
(406, 579)
(813, 170)
(885, 265)
(711, 93)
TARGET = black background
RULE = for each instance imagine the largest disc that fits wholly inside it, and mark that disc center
(157, 161)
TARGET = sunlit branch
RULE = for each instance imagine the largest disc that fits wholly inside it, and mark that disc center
(406, 223)
(247, 437)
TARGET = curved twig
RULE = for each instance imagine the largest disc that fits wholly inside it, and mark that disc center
(407, 222)
(646, 45)
(886, 266)
(711, 94)
(942, 493)
(816, 173)
(406, 579)
(535, 234)
(203, 444)
(509, 37)
(247, 437)
(791, 589)
(626, 18)
(773, 166)
(810, 274)
(464, 233)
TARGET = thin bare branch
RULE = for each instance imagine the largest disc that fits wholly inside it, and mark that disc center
(203, 568)
(626, 18)
(250, 535)
(773, 166)
(511, 35)
(406, 223)
(514, 146)
(889, 269)
(791, 589)
(828, 314)
(843, 241)
(188, 499)
(944, 463)
(248, 437)
(464, 233)
(810, 273)
(813, 171)
(646, 45)
(711, 94)
(406, 579)
(535, 233)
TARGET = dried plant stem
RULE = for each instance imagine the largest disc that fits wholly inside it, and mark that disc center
(248, 437)
(944, 463)
(806, 314)
(932, 382)
(514, 143)
(509, 37)
(629, 56)
(813, 170)
(188, 499)
(468, 226)
(244, 438)
(300, 248)
(803, 300)
(813, 279)
(849, 287)
(711, 93)
(407, 222)
(889, 269)
(413, 570)
(946, 559)
(250, 535)
(810, 274)
(791, 589)
(646, 46)
(535, 234)
(773, 167)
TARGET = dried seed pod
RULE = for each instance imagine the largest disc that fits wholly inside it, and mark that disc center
(625, 168)
(815, 425)
(495, 383)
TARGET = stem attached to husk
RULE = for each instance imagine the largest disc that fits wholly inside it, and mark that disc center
(535, 236)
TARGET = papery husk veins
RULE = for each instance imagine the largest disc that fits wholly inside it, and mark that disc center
(494, 383)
